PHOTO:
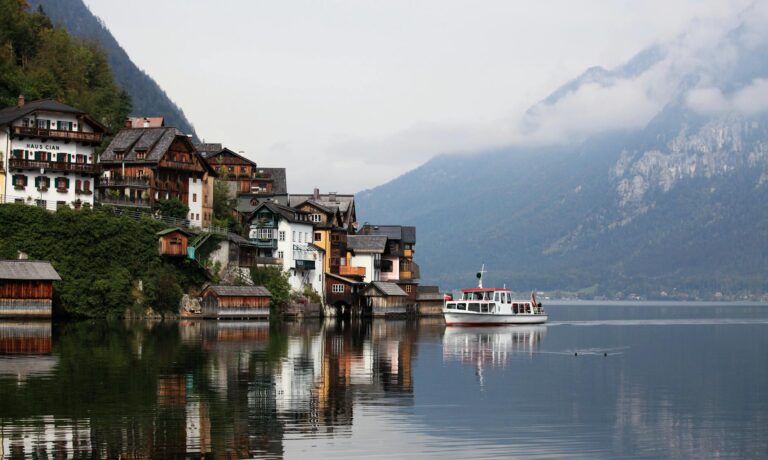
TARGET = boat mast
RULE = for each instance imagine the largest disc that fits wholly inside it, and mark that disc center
(480, 276)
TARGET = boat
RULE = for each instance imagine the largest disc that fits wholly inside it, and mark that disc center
(491, 306)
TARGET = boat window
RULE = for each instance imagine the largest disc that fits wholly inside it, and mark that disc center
(496, 296)
(527, 308)
(487, 295)
(484, 308)
(478, 296)
(473, 307)
(461, 306)
(451, 306)
(509, 297)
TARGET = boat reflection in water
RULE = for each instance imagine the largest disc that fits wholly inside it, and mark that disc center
(492, 346)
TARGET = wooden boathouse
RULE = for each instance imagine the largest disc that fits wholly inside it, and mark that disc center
(173, 242)
(384, 299)
(26, 288)
(235, 302)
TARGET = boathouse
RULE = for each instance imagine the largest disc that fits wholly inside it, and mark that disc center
(384, 299)
(173, 242)
(430, 301)
(235, 302)
(26, 288)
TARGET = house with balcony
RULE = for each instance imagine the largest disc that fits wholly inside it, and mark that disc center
(397, 263)
(283, 237)
(142, 166)
(47, 154)
(242, 175)
(329, 232)
(363, 258)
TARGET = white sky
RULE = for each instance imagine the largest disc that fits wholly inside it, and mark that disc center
(349, 94)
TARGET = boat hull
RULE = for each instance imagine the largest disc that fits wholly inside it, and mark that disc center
(454, 318)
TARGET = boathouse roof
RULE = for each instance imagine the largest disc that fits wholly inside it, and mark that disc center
(390, 289)
(239, 291)
(32, 270)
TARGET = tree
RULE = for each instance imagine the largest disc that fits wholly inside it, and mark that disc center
(162, 291)
(172, 207)
(275, 280)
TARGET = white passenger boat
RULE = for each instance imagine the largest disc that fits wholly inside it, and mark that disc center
(492, 306)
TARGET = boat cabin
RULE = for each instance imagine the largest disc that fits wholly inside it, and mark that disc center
(492, 300)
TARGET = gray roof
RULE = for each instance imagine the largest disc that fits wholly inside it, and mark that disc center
(344, 203)
(430, 296)
(210, 155)
(367, 243)
(27, 270)
(239, 291)
(390, 289)
(244, 201)
(153, 142)
(208, 149)
(287, 213)
(11, 114)
(428, 289)
(393, 232)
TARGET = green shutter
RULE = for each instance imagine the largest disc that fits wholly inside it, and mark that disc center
(67, 183)
(26, 180)
(37, 182)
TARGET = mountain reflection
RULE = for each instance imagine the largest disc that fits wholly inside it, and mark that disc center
(193, 388)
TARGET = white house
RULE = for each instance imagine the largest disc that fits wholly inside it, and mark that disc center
(283, 237)
(47, 155)
(364, 255)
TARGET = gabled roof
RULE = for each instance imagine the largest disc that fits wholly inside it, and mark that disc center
(174, 229)
(388, 289)
(393, 232)
(153, 142)
(238, 291)
(211, 156)
(208, 149)
(371, 244)
(11, 114)
(344, 203)
(32, 270)
(289, 214)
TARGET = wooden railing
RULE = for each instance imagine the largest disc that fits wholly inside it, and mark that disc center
(124, 181)
(408, 253)
(179, 165)
(346, 270)
(85, 168)
(57, 134)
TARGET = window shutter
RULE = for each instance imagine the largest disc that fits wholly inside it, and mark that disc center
(26, 180)
(37, 182)
(37, 155)
(69, 158)
(67, 180)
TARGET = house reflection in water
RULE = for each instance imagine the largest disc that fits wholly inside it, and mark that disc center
(25, 349)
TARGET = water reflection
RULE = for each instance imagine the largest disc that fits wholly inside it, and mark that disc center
(233, 389)
(492, 346)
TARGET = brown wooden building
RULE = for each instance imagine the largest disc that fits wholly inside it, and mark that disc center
(342, 294)
(26, 288)
(142, 166)
(430, 301)
(384, 299)
(173, 242)
(234, 302)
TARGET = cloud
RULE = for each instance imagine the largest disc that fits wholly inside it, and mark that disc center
(749, 100)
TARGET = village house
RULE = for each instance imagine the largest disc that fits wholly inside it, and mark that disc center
(363, 256)
(283, 236)
(173, 242)
(142, 166)
(145, 122)
(397, 263)
(26, 288)
(342, 294)
(235, 302)
(242, 175)
(47, 153)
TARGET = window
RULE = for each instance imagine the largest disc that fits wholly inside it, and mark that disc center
(315, 217)
(282, 235)
(337, 288)
(318, 236)
(264, 233)
(19, 181)
(293, 237)
(408, 288)
(306, 237)
(279, 254)
(194, 197)
(141, 155)
(386, 266)
(86, 186)
(62, 184)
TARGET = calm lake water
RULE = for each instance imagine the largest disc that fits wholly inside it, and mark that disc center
(678, 381)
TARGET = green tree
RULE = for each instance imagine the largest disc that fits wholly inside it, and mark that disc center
(275, 280)
(162, 291)
(172, 207)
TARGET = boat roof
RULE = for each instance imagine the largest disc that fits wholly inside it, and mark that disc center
(485, 289)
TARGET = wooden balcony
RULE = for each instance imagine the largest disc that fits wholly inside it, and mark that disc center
(178, 165)
(268, 261)
(408, 253)
(79, 136)
(141, 182)
(346, 270)
(406, 275)
(82, 168)
(127, 202)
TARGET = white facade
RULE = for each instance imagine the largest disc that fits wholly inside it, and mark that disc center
(55, 171)
(293, 246)
(393, 275)
(370, 262)
(195, 202)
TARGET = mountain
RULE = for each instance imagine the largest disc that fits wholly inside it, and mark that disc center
(147, 96)
(662, 196)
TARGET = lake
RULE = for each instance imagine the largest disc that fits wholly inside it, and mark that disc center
(601, 380)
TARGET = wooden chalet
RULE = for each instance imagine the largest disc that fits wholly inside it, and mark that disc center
(173, 242)
(142, 166)
(242, 174)
(383, 299)
(26, 288)
(235, 302)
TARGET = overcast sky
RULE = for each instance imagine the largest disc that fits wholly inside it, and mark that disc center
(350, 94)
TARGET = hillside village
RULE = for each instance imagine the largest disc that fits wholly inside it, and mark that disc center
(49, 157)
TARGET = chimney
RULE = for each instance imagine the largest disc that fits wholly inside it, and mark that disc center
(20, 102)
(128, 123)
(316, 194)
